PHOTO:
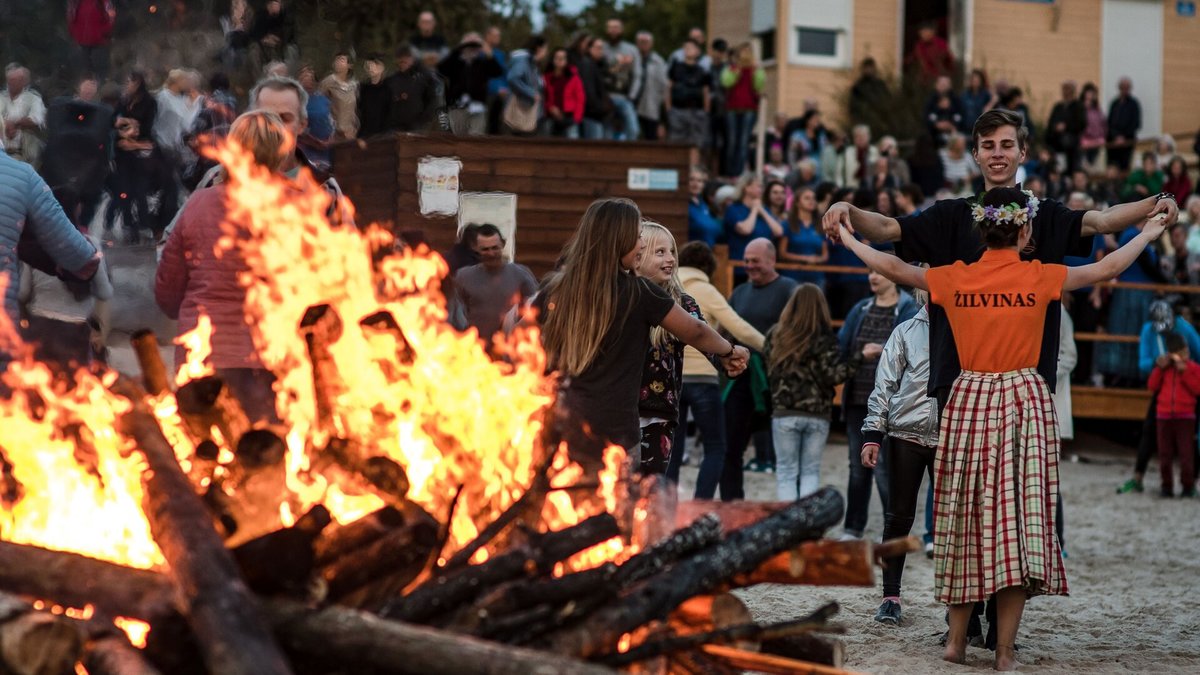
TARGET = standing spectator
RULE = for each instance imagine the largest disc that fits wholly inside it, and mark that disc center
(412, 92)
(193, 278)
(747, 219)
(868, 95)
(695, 35)
(1146, 181)
(930, 55)
(491, 288)
(274, 33)
(890, 149)
(958, 168)
(975, 99)
(1065, 127)
(743, 81)
(598, 103)
(624, 77)
(341, 89)
(804, 242)
(317, 137)
(524, 75)
(136, 160)
(804, 365)
(210, 128)
(654, 86)
(90, 23)
(374, 97)
(1124, 121)
(943, 111)
(702, 226)
(701, 382)
(1095, 130)
(1165, 149)
(78, 151)
(465, 251)
(497, 86)
(1176, 385)
(855, 162)
(1128, 311)
(468, 69)
(428, 39)
(565, 98)
(718, 56)
(23, 114)
(690, 99)
(866, 330)
(1177, 181)
(179, 104)
(760, 302)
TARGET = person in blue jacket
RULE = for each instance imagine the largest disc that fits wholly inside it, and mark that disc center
(702, 224)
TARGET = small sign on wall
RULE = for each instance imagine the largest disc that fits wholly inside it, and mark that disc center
(1186, 8)
(666, 180)
(437, 185)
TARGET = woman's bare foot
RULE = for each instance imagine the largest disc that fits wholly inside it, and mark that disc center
(956, 652)
(1006, 658)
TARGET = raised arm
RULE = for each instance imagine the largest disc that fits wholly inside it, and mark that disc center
(1120, 216)
(696, 333)
(1114, 263)
(885, 263)
(875, 227)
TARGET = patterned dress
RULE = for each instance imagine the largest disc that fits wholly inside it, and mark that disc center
(658, 402)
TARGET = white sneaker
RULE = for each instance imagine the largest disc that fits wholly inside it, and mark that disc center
(848, 536)
(929, 549)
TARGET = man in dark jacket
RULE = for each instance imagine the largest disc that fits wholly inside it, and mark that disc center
(374, 99)
(597, 104)
(468, 69)
(413, 97)
(1124, 120)
(1067, 122)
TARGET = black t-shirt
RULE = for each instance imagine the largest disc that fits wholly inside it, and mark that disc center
(605, 396)
(945, 233)
(687, 85)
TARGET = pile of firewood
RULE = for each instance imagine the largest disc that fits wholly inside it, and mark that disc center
(380, 595)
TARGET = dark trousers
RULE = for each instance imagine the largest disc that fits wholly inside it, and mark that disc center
(1120, 156)
(649, 128)
(1176, 438)
(741, 424)
(908, 462)
(858, 492)
(1148, 444)
(704, 400)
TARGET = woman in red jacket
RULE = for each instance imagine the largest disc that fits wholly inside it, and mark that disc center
(564, 97)
(192, 279)
(90, 23)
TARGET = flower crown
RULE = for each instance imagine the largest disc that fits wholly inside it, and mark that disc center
(1011, 213)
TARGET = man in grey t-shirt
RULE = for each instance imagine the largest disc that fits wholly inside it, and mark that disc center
(490, 289)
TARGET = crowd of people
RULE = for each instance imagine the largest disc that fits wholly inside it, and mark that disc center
(970, 343)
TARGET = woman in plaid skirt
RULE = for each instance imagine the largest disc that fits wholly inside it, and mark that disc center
(996, 483)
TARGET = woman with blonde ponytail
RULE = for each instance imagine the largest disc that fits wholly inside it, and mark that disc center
(662, 377)
(596, 319)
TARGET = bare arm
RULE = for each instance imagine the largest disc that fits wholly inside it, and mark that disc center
(696, 333)
(875, 227)
(1120, 216)
(1114, 263)
(885, 263)
(745, 227)
(776, 228)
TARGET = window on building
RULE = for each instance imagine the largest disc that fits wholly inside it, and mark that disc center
(766, 44)
(816, 42)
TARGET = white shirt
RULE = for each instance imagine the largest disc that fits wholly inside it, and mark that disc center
(176, 114)
(27, 104)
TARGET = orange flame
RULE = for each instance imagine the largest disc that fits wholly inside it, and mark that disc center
(197, 344)
(135, 630)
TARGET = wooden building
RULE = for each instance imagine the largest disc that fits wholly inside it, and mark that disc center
(554, 180)
(812, 47)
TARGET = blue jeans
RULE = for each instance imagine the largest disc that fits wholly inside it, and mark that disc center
(740, 125)
(626, 114)
(704, 400)
(858, 492)
(593, 130)
(799, 443)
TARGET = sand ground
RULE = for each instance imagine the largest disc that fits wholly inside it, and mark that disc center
(1133, 567)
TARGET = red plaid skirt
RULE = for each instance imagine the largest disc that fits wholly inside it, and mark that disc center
(996, 489)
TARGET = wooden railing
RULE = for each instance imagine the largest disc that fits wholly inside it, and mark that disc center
(1087, 401)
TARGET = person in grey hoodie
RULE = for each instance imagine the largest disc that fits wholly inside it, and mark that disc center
(900, 409)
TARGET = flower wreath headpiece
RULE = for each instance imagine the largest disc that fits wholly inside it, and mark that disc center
(1011, 213)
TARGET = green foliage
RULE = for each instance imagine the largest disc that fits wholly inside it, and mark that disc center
(668, 20)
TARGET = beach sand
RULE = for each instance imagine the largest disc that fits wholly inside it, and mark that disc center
(1133, 567)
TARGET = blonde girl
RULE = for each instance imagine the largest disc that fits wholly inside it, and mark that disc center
(596, 320)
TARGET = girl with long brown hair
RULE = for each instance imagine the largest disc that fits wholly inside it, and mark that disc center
(596, 323)
(804, 365)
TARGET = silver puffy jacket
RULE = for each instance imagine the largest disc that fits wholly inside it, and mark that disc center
(899, 406)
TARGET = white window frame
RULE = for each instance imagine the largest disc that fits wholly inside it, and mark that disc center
(802, 16)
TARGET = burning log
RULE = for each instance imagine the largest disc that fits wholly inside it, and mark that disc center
(701, 534)
(400, 552)
(34, 642)
(740, 552)
(807, 647)
(283, 561)
(706, 612)
(206, 403)
(446, 593)
(154, 371)
(339, 541)
(768, 663)
(749, 631)
(217, 603)
(525, 593)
